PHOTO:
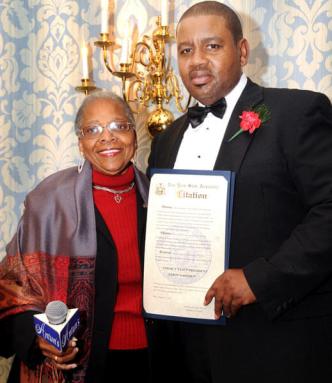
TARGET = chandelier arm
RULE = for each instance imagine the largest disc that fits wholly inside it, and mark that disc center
(188, 103)
(138, 51)
(168, 60)
(175, 91)
(179, 105)
(106, 62)
(124, 89)
(136, 87)
(104, 43)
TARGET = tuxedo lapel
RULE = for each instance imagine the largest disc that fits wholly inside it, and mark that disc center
(231, 154)
(174, 141)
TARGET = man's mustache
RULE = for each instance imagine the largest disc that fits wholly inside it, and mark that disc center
(198, 72)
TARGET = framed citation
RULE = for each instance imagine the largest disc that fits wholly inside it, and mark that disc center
(187, 242)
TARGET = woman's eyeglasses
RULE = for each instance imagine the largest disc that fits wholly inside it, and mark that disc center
(96, 130)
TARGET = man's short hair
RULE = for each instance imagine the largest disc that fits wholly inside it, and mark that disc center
(207, 8)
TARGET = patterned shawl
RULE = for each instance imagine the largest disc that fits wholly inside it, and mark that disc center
(52, 257)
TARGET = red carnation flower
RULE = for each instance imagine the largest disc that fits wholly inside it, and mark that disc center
(252, 120)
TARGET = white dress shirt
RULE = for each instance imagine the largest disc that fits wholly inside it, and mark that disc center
(200, 146)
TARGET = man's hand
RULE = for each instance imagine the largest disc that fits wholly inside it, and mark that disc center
(61, 360)
(231, 291)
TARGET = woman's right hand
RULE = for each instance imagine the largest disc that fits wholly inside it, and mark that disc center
(61, 360)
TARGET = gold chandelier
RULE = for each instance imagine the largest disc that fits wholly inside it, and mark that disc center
(145, 71)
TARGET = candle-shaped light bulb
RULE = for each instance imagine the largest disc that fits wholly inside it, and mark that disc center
(125, 43)
(104, 16)
(124, 58)
(85, 67)
(131, 32)
(164, 12)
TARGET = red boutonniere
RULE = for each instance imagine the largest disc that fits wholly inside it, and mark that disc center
(252, 119)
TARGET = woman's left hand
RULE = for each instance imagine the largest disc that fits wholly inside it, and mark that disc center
(61, 360)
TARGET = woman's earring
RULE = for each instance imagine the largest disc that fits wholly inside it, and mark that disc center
(80, 163)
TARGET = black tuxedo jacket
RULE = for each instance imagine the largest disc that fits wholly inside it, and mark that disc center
(282, 215)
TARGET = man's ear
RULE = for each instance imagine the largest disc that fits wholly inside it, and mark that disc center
(244, 51)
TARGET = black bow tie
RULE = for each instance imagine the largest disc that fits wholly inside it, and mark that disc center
(197, 114)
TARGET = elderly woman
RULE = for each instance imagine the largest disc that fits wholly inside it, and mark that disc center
(81, 241)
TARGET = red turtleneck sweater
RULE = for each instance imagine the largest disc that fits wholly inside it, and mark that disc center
(128, 330)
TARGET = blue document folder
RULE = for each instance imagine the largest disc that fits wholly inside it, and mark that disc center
(177, 249)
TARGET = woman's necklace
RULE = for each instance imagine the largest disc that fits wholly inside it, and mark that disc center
(117, 193)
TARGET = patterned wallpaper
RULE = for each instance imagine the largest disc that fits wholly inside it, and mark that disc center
(291, 46)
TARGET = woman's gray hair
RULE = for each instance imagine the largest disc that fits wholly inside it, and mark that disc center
(102, 95)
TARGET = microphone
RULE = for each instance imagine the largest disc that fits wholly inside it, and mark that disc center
(58, 324)
(56, 312)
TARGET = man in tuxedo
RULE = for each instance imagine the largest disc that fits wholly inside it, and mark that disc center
(277, 292)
